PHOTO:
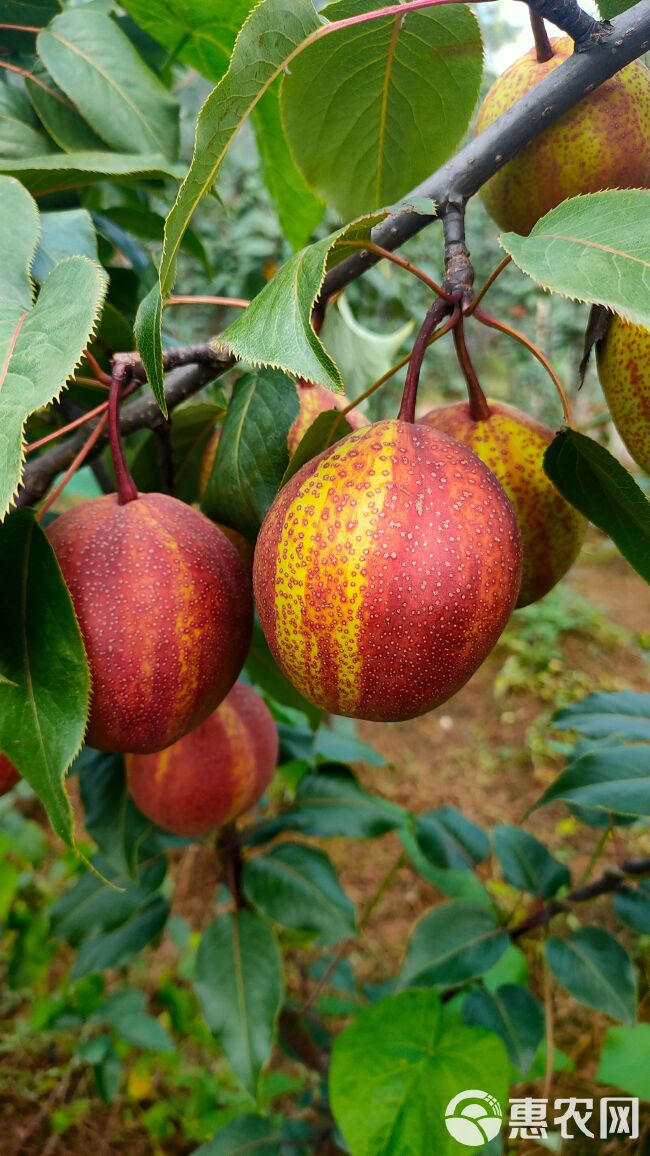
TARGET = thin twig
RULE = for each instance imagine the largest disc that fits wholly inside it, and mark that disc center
(73, 467)
(493, 323)
(396, 259)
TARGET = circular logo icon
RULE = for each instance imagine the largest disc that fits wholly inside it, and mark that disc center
(473, 1118)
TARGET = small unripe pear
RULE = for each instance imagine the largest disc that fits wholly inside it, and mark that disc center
(212, 775)
(385, 571)
(512, 444)
(602, 143)
(8, 775)
(624, 370)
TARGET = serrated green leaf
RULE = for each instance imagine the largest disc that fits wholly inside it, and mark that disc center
(62, 120)
(593, 481)
(253, 452)
(593, 248)
(47, 174)
(245, 1136)
(597, 970)
(20, 133)
(238, 980)
(623, 713)
(67, 233)
(45, 685)
(281, 30)
(97, 67)
(609, 779)
(527, 863)
(297, 887)
(452, 943)
(515, 1015)
(358, 104)
(299, 210)
(396, 1068)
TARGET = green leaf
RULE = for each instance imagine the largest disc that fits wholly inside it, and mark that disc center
(192, 428)
(325, 431)
(452, 943)
(527, 864)
(20, 133)
(593, 966)
(514, 1014)
(623, 713)
(593, 248)
(358, 104)
(126, 1012)
(48, 174)
(625, 1060)
(40, 344)
(632, 905)
(99, 952)
(91, 909)
(97, 67)
(455, 882)
(298, 887)
(609, 778)
(67, 233)
(589, 477)
(276, 328)
(238, 980)
(44, 679)
(245, 1136)
(299, 210)
(610, 8)
(147, 330)
(61, 119)
(253, 451)
(447, 839)
(201, 33)
(361, 354)
(249, 76)
(332, 803)
(396, 1068)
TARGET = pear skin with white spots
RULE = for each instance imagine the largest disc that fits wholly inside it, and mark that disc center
(512, 444)
(601, 143)
(385, 571)
(624, 370)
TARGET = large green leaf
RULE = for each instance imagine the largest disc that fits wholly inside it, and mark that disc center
(20, 133)
(281, 29)
(238, 980)
(608, 778)
(245, 1136)
(589, 477)
(447, 839)
(97, 67)
(632, 905)
(332, 803)
(47, 174)
(253, 451)
(91, 909)
(114, 948)
(373, 109)
(623, 713)
(514, 1014)
(300, 211)
(44, 679)
(65, 233)
(298, 887)
(593, 248)
(399, 1065)
(593, 966)
(62, 120)
(625, 1060)
(40, 343)
(276, 328)
(452, 943)
(527, 864)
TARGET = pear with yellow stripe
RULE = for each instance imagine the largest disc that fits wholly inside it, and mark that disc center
(165, 610)
(385, 571)
(513, 444)
(212, 775)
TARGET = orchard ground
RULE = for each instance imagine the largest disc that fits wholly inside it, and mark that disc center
(488, 751)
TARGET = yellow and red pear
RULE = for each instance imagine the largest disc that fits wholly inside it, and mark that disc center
(624, 371)
(8, 775)
(601, 143)
(165, 610)
(513, 444)
(385, 571)
(212, 775)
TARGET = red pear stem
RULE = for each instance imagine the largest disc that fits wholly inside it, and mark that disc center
(66, 429)
(493, 323)
(543, 48)
(437, 312)
(396, 259)
(126, 487)
(479, 409)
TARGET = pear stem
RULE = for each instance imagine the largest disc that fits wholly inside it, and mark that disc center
(479, 409)
(126, 487)
(437, 312)
(543, 49)
(494, 323)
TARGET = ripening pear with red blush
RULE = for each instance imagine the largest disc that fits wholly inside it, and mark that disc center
(8, 775)
(212, 775)
(165, 610)
(385, 571)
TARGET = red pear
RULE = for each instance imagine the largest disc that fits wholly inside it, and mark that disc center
(165, 610)
(213, 774)
(385, 571)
